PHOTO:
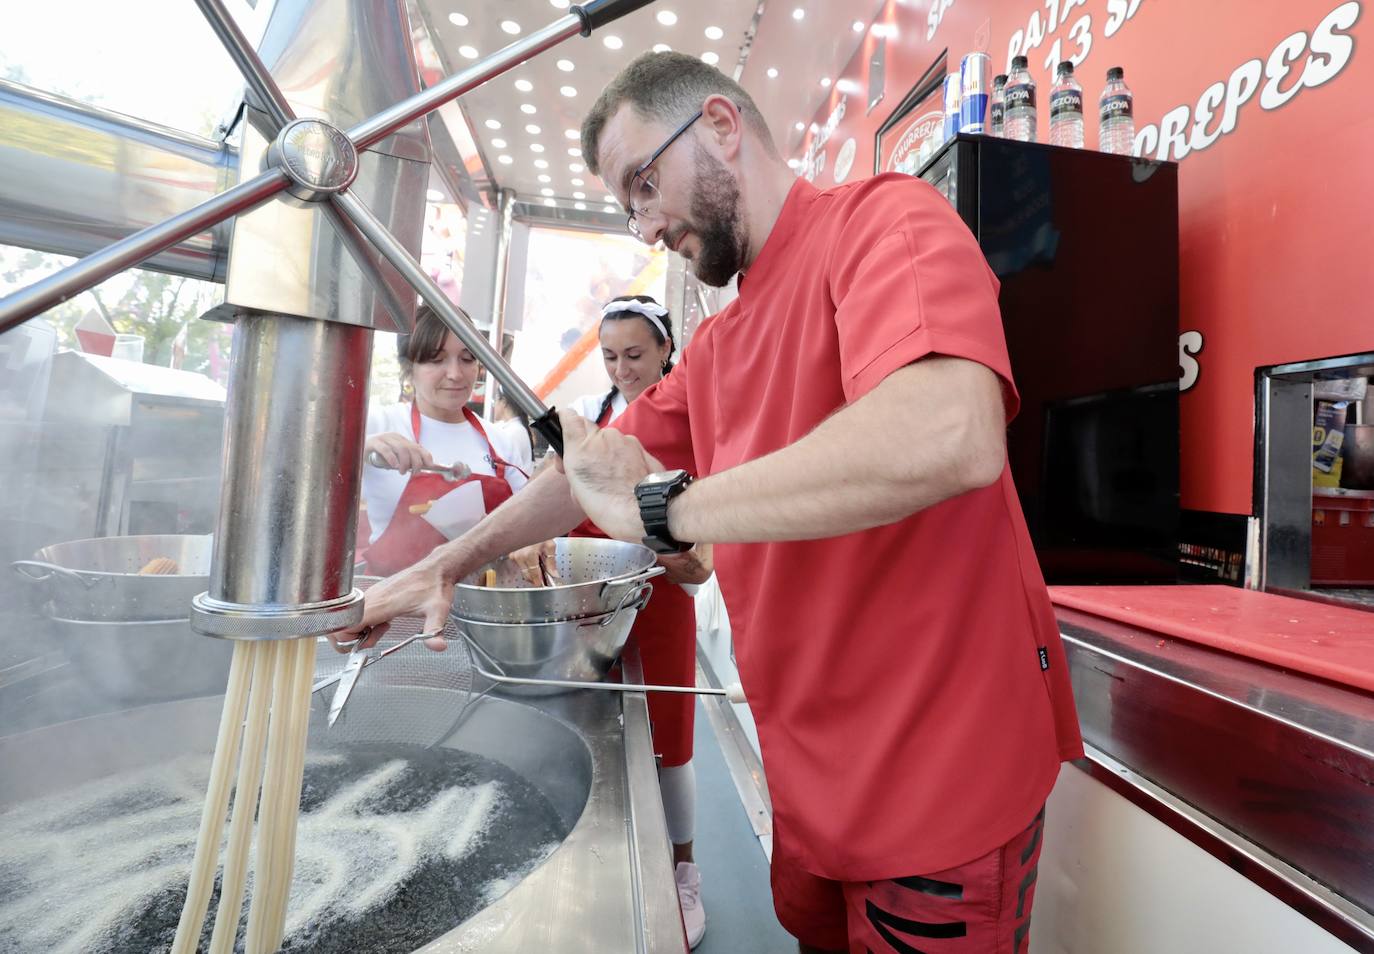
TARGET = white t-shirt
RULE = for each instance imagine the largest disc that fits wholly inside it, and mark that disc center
(449, 444)
(589, 404)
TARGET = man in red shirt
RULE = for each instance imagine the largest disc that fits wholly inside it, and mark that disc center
(845, 419)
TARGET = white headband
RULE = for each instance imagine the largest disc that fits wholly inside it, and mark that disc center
(654, 313)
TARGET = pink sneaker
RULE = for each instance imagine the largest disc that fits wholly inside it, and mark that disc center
(689, 896)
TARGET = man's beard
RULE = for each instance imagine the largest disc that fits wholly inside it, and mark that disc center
(715, 220)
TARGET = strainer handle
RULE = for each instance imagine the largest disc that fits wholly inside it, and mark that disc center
(46, 571)
(633, 581)
(635, 599)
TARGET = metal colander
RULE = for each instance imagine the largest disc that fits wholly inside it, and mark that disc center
(594, 578)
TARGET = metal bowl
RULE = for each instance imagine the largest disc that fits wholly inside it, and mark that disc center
(576, 649)
(596, 576)
(98, 579)
(136, 663)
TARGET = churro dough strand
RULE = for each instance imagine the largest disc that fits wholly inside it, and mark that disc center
(291, 789)
(216, 804)
(240, 840)
(267, 863)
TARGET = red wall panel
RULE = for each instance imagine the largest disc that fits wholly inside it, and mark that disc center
(1267, 108)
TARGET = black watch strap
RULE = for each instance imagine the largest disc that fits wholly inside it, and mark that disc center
(654, 493)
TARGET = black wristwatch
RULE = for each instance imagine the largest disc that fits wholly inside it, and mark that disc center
(654, 493)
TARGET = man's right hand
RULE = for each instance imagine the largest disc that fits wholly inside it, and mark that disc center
(422, 590)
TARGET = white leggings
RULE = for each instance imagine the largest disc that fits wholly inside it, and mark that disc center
(679, 787)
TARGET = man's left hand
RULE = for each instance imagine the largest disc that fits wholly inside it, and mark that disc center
(603, 465)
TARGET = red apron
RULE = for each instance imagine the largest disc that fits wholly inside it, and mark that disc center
(666, 633)
(409, 537)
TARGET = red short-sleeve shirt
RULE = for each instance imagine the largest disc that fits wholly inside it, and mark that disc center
(908, 681)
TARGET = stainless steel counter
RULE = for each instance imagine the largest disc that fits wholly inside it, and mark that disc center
(1270, 771)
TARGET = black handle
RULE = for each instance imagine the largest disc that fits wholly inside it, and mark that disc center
(597, 13)
(551, 429)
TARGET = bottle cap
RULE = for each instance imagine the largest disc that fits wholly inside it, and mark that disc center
(1019, 62)
(1066, 68)
(999, 81)
(1116, 73)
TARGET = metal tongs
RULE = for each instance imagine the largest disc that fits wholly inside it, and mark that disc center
(454, 473)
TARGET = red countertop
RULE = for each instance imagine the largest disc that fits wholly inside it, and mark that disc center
(1320, 639)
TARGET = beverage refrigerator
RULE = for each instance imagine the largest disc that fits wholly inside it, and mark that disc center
(1085, 246)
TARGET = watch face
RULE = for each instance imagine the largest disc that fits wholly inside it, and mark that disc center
(663, 477)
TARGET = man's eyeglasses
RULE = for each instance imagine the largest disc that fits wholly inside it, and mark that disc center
(642, 200)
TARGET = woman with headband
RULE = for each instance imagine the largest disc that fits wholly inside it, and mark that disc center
(637, 347)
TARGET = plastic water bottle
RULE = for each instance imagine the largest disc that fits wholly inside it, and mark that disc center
(997, 106)
(1019, 100)
(1066, 109)
(1116, 132)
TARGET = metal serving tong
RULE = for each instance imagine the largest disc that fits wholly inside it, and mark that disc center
(453, 474)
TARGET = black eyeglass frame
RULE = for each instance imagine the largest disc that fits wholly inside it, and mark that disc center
(644, 168)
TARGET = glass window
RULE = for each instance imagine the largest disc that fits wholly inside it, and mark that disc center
(156, 60)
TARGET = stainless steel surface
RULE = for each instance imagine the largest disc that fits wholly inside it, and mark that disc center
(454, 472)
(519, 393)
(608, 887)
(95, 268)
(595, 577)
(288, 258)
(1285, 481)
(1285, 761)
(117, 175)
(255, 73)
(742, 762)
(562, 684)
(365, 134)
(106, 584)
(317, 156)
(1311, 898)
(505, 210)
(583, 650)
(141, 662)
(298, 392)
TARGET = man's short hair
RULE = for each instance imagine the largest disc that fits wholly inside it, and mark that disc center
(668, 87)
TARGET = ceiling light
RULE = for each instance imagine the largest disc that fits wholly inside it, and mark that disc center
(574, 151)
(498, 144)
(545, 179)
(434, 195)
(524, 85)
(800, 126)
(609, 208)
(798, 13)
(541, 163)
(793, 163)
(825, 81)
(858, 26)
(533, 130)
(536, 147)
(574, 167)
(667, 17)
(528, 109)
(572, 134)
(546, 192)
(710, 58)
(566, 66)
(714, 33)
(510, 26)
(468, 52)
(550, 203)
(578, 182)
(569, 91)
(662, 48)
(580, 206)
(561, 4)
(457, 19)
(579, 195)
(612, 42)
(608, 198)
(493, 124)
(772, 72)
(504, 159)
